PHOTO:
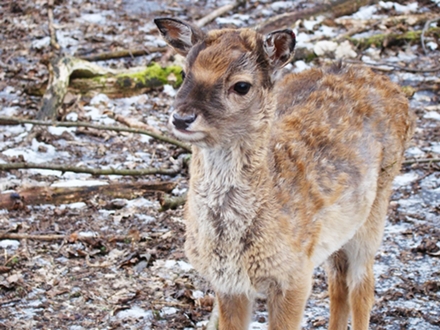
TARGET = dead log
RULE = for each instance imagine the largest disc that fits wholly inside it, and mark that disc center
(388, 39)
(66, 195)
(82, 77)
(122, 53)
(331, 9)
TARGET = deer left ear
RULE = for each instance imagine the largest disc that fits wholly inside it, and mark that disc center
(180, 35)
(279, 46)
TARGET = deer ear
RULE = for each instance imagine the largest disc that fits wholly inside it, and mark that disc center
(279, 46)
(179, 34)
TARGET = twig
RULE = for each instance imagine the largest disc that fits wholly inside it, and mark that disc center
(425, 28)
(17, 121)
(122, 53)
(218, 12)
(93, 171)
(421, 161)
(398, 67)
(53, 36)
(56, 237)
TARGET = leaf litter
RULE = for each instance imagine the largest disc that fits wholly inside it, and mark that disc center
(145, 281)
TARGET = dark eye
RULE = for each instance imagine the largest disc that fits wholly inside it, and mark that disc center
(182, 73)
(242, 87)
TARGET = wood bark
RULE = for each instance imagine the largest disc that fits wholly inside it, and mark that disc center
(65, 195)
(331, 9)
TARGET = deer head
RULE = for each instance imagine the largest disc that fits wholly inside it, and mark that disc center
(228, 78)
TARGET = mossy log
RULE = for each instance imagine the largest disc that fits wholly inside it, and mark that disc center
(386, 40)
(83, 77)
(129, 83)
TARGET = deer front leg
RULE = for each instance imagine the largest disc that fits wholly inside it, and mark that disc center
(286, 308)
(234, 312)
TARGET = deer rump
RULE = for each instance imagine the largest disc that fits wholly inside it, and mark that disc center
(288, 171)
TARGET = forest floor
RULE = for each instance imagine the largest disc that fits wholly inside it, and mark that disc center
(93, 280)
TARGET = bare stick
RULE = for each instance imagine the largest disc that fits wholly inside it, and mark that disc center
(393, 66)
(122, 53)
(56, 237)
(93, 171)
(65, 195)
(53, 36)
(18, 121)
(425, 28)
(219, 12)
(330, 9)
(421, 161)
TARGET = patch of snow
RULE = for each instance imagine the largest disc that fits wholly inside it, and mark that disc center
(145, 218)
(197, 294)
(9, 243)
(41, 43)
(310, 24)
(168, 311)
(404, 179)
(58, 130)
(38, 153)
(78, 205)
(366, 12)
(281, 5)
(100, 98)
(237, 20)
(141, 202)
(184, 265)
(9, 111)
(301, 66)
(170, 263)
(135, 312)
(414, 152)
(64, 39)
(169, 90)
(412, 7)
(78, 183)
(324, 46)
(432, 115)
(93, 18)
(345, 50)
(430, 182)
(72, 116)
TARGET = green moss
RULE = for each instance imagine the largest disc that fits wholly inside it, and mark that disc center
(153, 76)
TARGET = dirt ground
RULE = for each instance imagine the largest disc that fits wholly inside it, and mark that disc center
(93, 279)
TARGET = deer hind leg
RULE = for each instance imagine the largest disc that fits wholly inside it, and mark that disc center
(360, 251)
(337, 268)
(234, 312)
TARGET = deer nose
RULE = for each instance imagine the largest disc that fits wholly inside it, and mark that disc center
(183, 122)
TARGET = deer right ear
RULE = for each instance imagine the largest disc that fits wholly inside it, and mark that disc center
(179, 34)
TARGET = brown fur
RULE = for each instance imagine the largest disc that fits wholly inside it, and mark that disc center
(294, 172)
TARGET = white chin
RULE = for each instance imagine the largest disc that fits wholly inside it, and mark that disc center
(188, 136)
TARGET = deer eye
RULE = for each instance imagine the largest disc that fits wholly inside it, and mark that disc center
(242, 87)
(182, 74)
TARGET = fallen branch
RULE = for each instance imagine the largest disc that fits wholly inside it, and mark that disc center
(421, 161)
(18, 121)
(378, 66)
(384, 40)
(122, 53)
(93, 171)
(168, 202)
(56, 237)
(66, 195)
(219, 12)
(331, 9)
(425, 29)
(53, 36)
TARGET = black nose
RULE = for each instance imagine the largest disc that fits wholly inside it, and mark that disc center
(182, 122)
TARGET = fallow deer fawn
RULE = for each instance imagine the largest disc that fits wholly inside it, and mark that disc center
(286, 173)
